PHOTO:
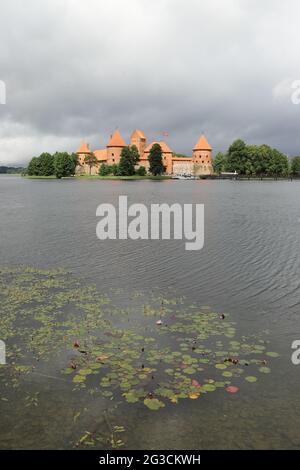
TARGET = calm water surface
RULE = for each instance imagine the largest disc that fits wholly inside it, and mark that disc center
(249, 267)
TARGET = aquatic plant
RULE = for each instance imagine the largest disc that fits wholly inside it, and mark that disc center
(149, 354)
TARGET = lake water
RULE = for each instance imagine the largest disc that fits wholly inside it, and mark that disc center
(249, 269)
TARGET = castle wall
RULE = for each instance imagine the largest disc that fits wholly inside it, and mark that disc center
(113, 155)
(183, 167)
(202, 169)
(85, 170)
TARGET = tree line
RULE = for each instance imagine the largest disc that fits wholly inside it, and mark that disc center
(9, 170)
(60, 164)
(255, 160)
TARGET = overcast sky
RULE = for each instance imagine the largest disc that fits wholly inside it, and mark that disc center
(77, 69)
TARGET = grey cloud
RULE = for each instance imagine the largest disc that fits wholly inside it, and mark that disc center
(78, 69)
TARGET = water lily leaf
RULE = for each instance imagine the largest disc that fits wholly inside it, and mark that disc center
(251, 379)
(220, 384)
(131, 397)
(85, 371)
(272, 354)
(79, 378)
(221, 366)
(153, 403)
(189, 371)
(208, 388)
(264, 370)
(227, 374)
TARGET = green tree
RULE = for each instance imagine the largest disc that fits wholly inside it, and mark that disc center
(263, 160)
(220, 162)
(114, 169)
(155, 160)
(33, 168)
(75, 159)
(126, 165)
(141, 171)
(279, 165)
(237, 157)
(104, 170)
(295, 166)
(135, 154)
(63, 164)
(46, 164)
(91, 160)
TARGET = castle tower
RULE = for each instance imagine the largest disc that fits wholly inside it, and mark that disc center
(139, 140)
(202, 157)
(114, 148)
(83, 150)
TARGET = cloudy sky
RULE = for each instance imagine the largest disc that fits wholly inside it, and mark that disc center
(78, 69)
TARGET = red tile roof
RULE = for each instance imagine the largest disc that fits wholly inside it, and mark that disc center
(101, 155)
(202, 144)
(116, 140)
(84, 148)
(164, 147)
(140, 133)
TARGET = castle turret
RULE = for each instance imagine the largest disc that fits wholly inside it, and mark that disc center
(139, 140)
(114, 148)
(202, 157)
(82, 151)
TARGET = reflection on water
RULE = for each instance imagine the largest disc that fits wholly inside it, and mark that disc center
(248, 267)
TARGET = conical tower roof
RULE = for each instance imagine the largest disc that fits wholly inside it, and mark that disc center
(83, 148)
(116, 140)
(202, 144)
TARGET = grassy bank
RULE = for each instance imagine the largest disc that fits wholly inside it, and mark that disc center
(124, 178)
(52, 177)
(97, 177)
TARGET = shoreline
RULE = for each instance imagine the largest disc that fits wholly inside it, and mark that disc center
(161, 178)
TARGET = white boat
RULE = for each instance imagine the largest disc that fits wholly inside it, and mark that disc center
(183, 177)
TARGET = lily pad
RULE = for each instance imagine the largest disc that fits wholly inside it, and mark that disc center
(79, 378)
(153, 404)
(227, 374)
(272, 354)
(221, 366)
(189, 371)
(251, 379)
(208, 388)
(131, 397)
(264, 370)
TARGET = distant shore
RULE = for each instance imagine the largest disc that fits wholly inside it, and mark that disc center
(161, 178)
(97, 177)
